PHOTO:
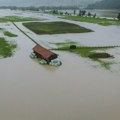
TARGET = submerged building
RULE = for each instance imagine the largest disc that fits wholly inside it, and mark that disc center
(44, 53)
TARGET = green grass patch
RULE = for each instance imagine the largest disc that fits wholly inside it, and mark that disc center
(6, 48)
(55, 28)
(101, 21)
(86, 52)
(17, 19)
(83, 51)
(9, 34)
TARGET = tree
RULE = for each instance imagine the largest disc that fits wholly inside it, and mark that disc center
(73, 47)
(89, 14)
(118, 16)
(82, 12)
(74, 12)
(94, 16)
(55, 11)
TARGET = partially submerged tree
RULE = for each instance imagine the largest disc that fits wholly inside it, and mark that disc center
(118, 16)
(74, 12)
(82, 12)
(89, 14)
(73, 46)
(94, 16)
(55, 11)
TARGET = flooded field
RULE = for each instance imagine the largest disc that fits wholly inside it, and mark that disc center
(99, 13)
(77, 90)
(106, 13)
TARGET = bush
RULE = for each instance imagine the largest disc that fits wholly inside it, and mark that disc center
(73, 47)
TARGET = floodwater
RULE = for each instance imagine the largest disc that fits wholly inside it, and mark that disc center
(73, 91)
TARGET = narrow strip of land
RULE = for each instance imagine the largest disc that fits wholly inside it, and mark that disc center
(25, 33)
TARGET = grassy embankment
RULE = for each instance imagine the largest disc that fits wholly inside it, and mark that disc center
(6, 48)
(86, 52)
(55, 28)
(17, 19)
(101, 21)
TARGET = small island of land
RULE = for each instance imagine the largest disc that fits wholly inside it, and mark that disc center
(9, 34)
(6, 48)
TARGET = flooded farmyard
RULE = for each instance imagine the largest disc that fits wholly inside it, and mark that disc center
(79, 89)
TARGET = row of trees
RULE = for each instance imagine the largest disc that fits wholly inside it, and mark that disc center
(55, 10)
(84, 12)
(80, 13)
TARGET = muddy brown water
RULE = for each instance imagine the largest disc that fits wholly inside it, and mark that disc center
(73, 91)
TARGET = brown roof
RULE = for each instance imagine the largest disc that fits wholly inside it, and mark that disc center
(43, 51)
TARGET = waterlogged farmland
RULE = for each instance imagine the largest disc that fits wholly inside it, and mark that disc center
(80, 89)
(17, 19)
(55, 28)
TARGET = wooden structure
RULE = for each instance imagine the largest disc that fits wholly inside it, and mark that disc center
(44, 53)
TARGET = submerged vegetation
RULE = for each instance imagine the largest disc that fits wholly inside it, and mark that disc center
(55, 27)
(9, 34)
(100, 55)
(6, 48)
(84, 51)
(87, 52)
(101, 21)
(17, 19)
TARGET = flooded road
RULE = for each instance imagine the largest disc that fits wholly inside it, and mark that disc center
(73, 91)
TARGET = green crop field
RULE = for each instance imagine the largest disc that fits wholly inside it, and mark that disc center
(55, 28)
(17, 19)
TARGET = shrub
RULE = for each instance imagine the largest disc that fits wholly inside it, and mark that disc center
(73, 47)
